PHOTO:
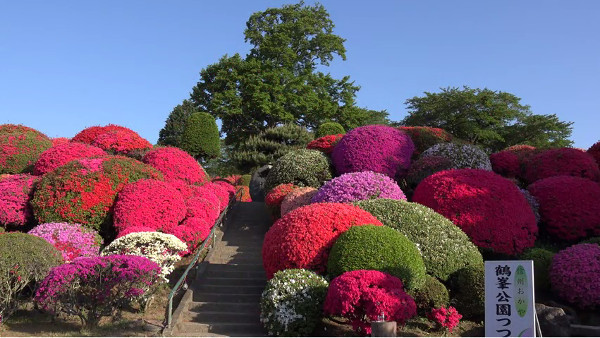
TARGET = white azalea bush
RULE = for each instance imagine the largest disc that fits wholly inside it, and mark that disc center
(163, 249)
(292, 302)
(462, 156)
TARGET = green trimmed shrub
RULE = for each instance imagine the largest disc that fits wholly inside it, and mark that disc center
(292, 302)
(200, 136)
(24, 261)
(433, 294)
(329, 128)
(370, 247)
(467, 291)
(302, 167)
(542, 259)
(444, 246)
(20, 148)
(245, 180)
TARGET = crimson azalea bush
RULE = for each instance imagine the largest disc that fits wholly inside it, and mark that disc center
(59, 140)
(175, 164)
(506, 163)
(83, 191)
(595, 152)
(16, 192)
(490, 209)
(275, 196)
(62, 154)
(377, 148)
(569, 207)
(362, 296)
(561, 162)
(192, 231)
(150, 203)
(220, 190)
(20, 147)
(121, 141)
(303, 237)
(358, 186)
(426, 137)
(205, 206)
(325, 144)
(72, 240)
(297, 198)
(88, 135)
(187, 191)
(447, 318)
(94, 287)
(575, 275)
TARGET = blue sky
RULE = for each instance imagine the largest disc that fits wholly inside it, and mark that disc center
(67, 65)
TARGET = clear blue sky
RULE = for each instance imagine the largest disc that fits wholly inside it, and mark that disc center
(67, 65)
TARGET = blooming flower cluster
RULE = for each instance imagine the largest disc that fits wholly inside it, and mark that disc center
(297, 198)
(506, 163)
(561, 161)
(377, 148)
(222, 190)
(20, 147)
(446, 318)
(575, 275)
(461, 155)
(15, 193)
(325, 143)
(595, 152)
(121, 141)
(72, 240)
(426, 137)
(303, 237)
(362, 296)
(206, 206)
(569, 206)
(490, 209)
(292, 301)
(175, 164)
(192, 231)
(358, 186)
(245, 194)
(162, 249)
(59, 140)
(88, 135)
(62, 154)
(276, 195)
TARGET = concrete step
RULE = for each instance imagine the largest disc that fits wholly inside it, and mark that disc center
(237, 259)
(230, 289)
(192, 329)
(222, 317)
(235, 274)
(223, 307)
(213, 268)
(226, 297)
(213, 280)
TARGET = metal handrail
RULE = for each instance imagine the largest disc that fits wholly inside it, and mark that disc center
(211, 235)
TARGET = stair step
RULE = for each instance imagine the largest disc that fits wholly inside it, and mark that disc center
(235, 267)
(234, 274)
(226, 297)
(214, 280)
(230, 289)
(222, 317)
(192, 329)
(223, 307)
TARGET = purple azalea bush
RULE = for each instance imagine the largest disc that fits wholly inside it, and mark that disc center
(377, 148)
(575, 275)
(358, 186)
(72, 240)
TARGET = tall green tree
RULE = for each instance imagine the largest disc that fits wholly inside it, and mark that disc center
(170, 134)
(200, 137)
(493, 119)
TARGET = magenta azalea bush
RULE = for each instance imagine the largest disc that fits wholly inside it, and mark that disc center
(358, 186)
(575, 275)
(94, 287)
(377, 148)
(72, 240)
(15, 193)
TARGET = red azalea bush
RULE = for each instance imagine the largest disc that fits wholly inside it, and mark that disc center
(595, 152)
(303, 238)
(20, 147)
(83, 191)
(149, 203)
(205, 206)
(506, 163)
(122, 141)
(226, 186)
(569, 206)
(277, 194)
(559, 162)
(59, 140)
(233, 179)
(446, 318)
(192, 231)
(15, 193)
(63, 154)
(186, 190)
(175, 164)
(245, 194)
(490, 209)
(575, 275)
(426, 137)
(88, 135)
(218, 190)
(377, 148)
(325, 143)
(363, 295)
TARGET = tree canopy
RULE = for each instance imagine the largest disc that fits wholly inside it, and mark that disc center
(170, 134)
(200, 137)
(493, 119)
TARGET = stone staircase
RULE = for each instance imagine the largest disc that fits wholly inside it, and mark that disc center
(225, 298)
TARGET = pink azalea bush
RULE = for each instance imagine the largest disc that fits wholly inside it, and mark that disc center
(175, 164)
(63, 154)
(15, 193)
(575, 275)
(363, 295)
(193, 231)
(72, 240)
(206, 206)
(121, 141)
(358, 186)
(446, 318)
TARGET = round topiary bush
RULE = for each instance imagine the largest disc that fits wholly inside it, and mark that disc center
(490, 209)
(121, 141)
(200, 136)
(88, 135)
(569, 207)
(467, 291)
(426, 137)
(175, 164)
(276, 195)
(362, 296)
(303, 167)
(20, 148)
(83, 191)
(193, 231)
(433, 294)
(63, 154)
(462, 156)
(16, 192)
(72, 240)
(542, 259)
(206, 206)
(424, 167)
(377, 248)
(150, 203)
(291, 304)
(59, 140)
(358, 186)
(222, 192)
(595, 152)
(297, 198)
(445, 248)
(325, 144)
(506, 163)
(24, 259)
(329, 128)
(561, 162)
(377, 148)
(303, 238)
(575, 275)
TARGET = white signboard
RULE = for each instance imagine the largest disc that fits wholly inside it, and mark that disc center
(509, 299)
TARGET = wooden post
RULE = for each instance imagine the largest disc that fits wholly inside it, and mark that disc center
(383, 329)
